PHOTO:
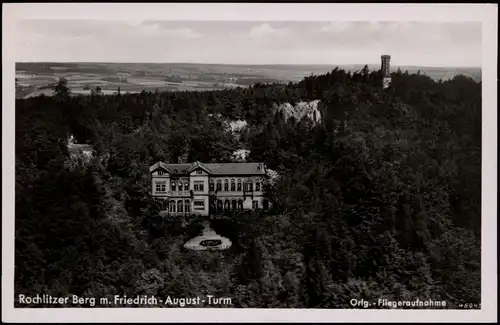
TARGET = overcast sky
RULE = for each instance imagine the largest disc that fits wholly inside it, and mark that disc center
(245, 42)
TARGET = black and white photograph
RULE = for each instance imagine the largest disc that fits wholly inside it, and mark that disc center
(249, 162)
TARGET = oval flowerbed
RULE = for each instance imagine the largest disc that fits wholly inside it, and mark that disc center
(209, 240)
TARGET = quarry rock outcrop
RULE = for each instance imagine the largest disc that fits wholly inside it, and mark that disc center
(301, 110)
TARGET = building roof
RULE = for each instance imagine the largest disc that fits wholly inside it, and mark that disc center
(213, 169)
(236, 168)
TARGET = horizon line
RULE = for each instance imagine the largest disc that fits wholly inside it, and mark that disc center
(254, 64)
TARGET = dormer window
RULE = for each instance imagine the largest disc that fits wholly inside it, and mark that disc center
(199, 172)
(160, 173)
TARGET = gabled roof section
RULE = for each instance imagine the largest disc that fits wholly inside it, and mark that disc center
(197, 165)
(159, 165)
(178, 169)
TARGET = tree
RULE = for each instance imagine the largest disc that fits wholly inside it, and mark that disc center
(96, 92)
(366, 71)
(61, 88)
(251, 268)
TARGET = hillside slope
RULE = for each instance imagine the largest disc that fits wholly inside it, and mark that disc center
(380, 198)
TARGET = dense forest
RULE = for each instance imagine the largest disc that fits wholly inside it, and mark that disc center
(382, 199)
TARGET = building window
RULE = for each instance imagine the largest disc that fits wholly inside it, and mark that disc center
(212, 186)
(173, 187)
(226, 205)
(187, 206)
(199, 186)
(179, 206)
(160, 173)
(219, 205)
(180, 187)
(186, 186)
(172, 206)
(248, 187)
(239, 185)
(255, 205)
(234, 205)
(233, 185)
(257, 186)
(240, 204)
(219, 185)
(161, 186)
(199, 172)
(226, 185)
(199, 205)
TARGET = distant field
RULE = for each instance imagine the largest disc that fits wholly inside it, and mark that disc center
(135, 77)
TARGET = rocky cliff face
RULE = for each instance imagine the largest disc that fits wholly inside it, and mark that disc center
(235, 127)
(273, 176)
(241, 155)
(80, 154)
(238, 125)
(301, 110)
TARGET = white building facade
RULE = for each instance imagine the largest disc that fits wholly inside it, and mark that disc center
(202, 189)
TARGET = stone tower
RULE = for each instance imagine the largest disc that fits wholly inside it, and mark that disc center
(385, 69)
